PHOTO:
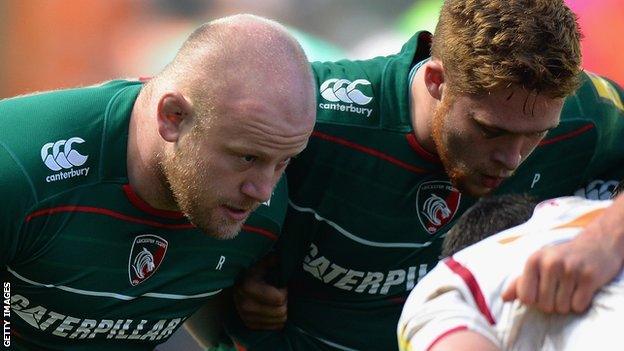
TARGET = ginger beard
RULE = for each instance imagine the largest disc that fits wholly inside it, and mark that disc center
(194, 184)
(453, 152)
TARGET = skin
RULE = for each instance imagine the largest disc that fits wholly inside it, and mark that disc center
(564, 278)
(481, 140)
(216, 155)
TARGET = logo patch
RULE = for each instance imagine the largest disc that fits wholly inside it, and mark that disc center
(598, 189)
(345, 96)
(147, 253)
(436, 204)
(61, 155)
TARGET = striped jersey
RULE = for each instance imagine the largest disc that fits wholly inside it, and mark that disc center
(90, 265)
(470, 283)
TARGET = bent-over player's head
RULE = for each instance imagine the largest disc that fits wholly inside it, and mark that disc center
(236, 103)
(488, 216)
(500, 70)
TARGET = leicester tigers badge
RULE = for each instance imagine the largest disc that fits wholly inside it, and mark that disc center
(436, 203)
(147, 253)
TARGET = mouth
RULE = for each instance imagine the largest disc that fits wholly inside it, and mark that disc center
(235, 213)
(491, 182)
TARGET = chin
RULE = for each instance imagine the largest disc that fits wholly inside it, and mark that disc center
(226, 231)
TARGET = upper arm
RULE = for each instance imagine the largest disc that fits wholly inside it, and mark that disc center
(18, 195)
(205, 325)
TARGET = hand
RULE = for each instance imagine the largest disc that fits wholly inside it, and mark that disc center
(565, 277)
(259, 304)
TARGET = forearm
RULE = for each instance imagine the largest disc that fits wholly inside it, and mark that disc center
(610, 226)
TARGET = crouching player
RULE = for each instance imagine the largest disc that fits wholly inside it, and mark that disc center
(458, 306)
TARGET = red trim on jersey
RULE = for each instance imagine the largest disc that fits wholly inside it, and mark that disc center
(145, 207)
(260, 231)
(411, 140)
(106, 212)
(398, 300)
(473, 285)
(369, 151)
(238, 346)
(445, 334)
(568, 135)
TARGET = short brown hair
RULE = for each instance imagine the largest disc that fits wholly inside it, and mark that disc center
(486, 45)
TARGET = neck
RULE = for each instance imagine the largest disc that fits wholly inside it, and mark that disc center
(144, 173)
(422, 111)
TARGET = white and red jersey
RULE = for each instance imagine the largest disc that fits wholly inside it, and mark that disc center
(463, 291)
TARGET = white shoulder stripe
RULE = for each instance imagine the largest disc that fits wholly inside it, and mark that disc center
(354, 237)
(110, 294)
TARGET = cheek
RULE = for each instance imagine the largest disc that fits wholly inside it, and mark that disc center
(530, 145)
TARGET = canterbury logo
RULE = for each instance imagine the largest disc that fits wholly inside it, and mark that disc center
(57, 159)
(433, 206)
(343, 90)
(143, 263)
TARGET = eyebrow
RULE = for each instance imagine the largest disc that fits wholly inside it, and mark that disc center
(474, 117)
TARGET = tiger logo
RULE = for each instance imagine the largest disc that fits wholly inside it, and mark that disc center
(436, 204)
(436, 209)
(143, 263)
(146, 255)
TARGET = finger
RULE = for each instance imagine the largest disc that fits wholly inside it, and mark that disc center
(510, 293)
(565, 288)
(551, 272)
(526, 290)
(261, 292)
(255, 319)
(583, 292)
(248, 309)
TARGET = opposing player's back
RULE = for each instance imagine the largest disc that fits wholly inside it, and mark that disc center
(472, 280)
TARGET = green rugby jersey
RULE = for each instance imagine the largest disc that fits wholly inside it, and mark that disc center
(90, 265)
(369, 206)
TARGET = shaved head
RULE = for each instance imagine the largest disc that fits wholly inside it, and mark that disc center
(220, 122)
(238, 55)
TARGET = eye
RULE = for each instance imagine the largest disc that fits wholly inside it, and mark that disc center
(249, 158)
(489, 132)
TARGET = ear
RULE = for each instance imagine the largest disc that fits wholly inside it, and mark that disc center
(434, 78)
(173, 109)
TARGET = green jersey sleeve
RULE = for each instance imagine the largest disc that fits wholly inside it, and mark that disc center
(18, 193)
(603, 99)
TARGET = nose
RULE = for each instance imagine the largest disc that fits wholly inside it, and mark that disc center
(260, 186)
(509, 153)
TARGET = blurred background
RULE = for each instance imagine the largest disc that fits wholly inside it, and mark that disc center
(50, 44)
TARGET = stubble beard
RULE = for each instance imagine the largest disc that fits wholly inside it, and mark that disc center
(200, 204)
(457, 171)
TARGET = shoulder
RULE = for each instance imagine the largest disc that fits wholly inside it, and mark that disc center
(55, 138)
(597, 98)
(369, 93)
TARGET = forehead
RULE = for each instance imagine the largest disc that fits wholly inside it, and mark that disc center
(515, 110)
(263, 125)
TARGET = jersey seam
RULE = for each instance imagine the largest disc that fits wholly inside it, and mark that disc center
(21, 167)
(107, 116)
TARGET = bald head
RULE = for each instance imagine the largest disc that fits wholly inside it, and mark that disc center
(241, 55)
